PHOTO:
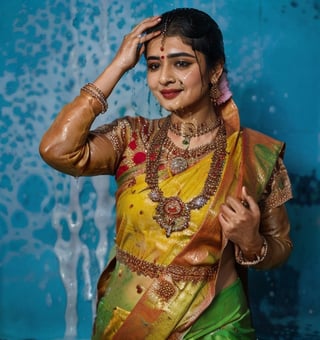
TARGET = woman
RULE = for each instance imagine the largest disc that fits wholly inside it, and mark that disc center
(198, 197)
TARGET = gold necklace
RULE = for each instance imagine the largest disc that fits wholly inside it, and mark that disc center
(187, 130)
(179, 162)
(172, 214)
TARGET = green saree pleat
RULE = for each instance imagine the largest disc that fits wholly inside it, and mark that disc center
(228, 317)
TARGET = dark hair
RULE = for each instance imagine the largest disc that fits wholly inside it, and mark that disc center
(197, 29)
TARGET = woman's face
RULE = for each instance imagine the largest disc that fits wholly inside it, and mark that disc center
(177, 75)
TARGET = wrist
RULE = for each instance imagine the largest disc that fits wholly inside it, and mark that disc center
(249, 256)
(250, 251)
(119, 67)
(97, 95)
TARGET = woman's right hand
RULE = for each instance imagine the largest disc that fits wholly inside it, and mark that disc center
(127, 56)
(129, 52)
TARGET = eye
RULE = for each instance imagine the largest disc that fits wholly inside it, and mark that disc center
(182, 63)
(153, 66)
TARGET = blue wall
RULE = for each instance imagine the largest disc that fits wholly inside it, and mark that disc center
(55, 231)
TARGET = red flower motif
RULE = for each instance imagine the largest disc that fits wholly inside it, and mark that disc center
(139, 157)
(133, 145)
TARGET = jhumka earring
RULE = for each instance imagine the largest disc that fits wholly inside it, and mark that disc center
(215, 93)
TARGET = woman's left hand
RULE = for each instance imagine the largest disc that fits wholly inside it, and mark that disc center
(240, 220)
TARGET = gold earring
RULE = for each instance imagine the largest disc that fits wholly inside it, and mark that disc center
(215, 93)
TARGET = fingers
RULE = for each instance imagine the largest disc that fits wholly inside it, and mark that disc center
(138, 35)
(132, 46)
(248, 201)
(240, 218)
(147, 23)
(232, 205)
(139, 30)
(237, 209)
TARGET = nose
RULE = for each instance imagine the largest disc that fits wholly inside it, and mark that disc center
(166, 75)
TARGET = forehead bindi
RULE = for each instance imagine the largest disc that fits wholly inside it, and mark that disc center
(173, 53)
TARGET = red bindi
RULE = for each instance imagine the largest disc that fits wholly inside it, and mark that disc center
(162, 57)
(161, 48)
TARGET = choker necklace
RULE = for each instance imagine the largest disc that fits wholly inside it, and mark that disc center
(188, 130)
(172, 214)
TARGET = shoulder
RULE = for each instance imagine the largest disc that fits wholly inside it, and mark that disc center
(129, 127)
(257, 140)
(144, 127)
(260, 154)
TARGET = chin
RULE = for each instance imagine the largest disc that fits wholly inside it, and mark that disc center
(175, 108)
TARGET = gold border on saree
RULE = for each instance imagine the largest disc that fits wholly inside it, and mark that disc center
(193, 274)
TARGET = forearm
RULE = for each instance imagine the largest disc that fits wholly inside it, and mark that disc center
(273, 245)
(275, 227)
(111, 75)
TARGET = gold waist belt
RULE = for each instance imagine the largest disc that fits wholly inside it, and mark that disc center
(177, 272)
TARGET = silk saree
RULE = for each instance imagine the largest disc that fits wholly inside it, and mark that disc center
(181, 270)
(156, 287)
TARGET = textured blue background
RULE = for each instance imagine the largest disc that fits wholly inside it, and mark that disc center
(55, 231)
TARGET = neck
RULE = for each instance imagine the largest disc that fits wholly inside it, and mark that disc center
(197, 118)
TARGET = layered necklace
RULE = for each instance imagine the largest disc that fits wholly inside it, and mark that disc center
(172, 214)
(187, 131)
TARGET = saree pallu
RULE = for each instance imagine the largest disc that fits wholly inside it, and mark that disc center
(227, 318)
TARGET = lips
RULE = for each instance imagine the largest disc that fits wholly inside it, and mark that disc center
(170, 94)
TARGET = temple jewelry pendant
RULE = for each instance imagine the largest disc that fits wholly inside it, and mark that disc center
(172, 215)
(178, 164)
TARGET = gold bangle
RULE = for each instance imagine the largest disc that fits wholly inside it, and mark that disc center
(259, 258)
(97, 94)
(96, 88)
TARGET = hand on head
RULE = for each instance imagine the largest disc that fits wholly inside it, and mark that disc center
(132, 46)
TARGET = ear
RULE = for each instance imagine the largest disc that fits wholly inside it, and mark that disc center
(216, 73)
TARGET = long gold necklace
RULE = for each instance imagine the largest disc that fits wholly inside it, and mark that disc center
(172, 214)
(180, 159)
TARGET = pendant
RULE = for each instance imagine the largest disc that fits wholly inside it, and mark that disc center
(178, 164)
(172, 215)
(186, 141)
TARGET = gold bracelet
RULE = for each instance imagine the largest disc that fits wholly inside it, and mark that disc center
(97, 94)
(259, 258)
(96, 88)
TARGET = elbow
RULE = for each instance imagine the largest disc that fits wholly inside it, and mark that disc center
(48, 151)
(55, 155)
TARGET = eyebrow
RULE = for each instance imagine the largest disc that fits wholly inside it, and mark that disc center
(174, 55)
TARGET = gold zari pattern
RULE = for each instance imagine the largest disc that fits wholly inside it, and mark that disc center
(177, 273)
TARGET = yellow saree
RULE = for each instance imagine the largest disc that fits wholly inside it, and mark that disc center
(143, 246)
(158, 287)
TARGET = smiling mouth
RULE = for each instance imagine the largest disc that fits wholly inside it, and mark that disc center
(170, 94)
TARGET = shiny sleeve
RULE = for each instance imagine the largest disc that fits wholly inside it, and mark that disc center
(275, 224)
(71, 147)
